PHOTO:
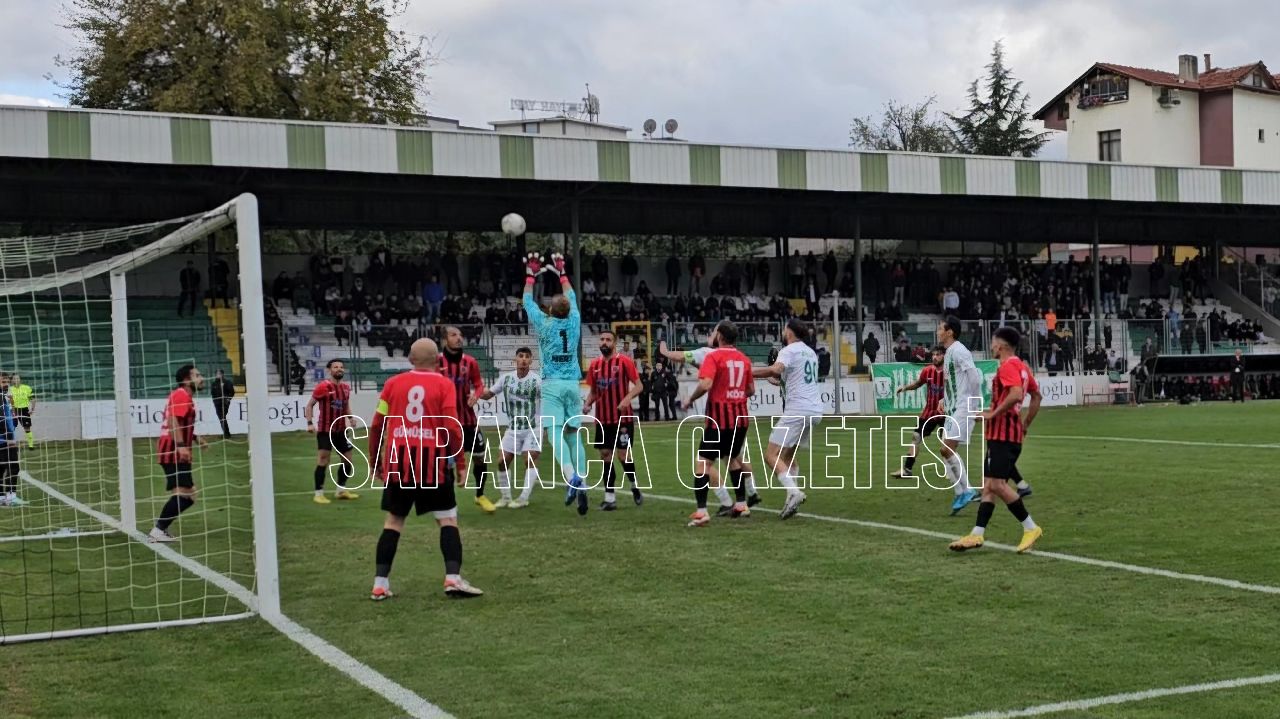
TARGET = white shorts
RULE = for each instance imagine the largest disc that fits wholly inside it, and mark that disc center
(794, 430)
(519, 441)
(958, 426)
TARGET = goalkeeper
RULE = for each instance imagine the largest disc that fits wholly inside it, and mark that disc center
(559, 335)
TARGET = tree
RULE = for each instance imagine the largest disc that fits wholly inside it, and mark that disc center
(335, 60)
(997, 124)
(913, 128)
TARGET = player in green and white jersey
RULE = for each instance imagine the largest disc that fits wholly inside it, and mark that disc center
(796, 368)
(521, 391)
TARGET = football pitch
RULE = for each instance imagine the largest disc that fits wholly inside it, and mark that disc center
(1157, 571)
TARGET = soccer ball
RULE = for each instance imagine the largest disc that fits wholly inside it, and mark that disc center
(513, 224)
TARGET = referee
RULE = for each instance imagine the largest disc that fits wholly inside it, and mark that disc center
(20, 396)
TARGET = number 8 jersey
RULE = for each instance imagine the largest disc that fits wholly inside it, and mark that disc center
(422, 412)
(800, 379)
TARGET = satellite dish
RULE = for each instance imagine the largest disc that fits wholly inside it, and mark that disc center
(671, 126)
(650, 125)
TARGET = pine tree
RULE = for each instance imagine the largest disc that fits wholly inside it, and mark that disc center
(997, 124)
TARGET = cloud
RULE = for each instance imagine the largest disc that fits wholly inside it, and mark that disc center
(7, 99)
(750, 71)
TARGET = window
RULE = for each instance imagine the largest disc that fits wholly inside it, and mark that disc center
(531, 128)
(1064, 110)
(1262, 135)
(1109, 146)
(1256, 80)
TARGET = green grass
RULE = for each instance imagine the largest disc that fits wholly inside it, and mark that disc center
(632, 614)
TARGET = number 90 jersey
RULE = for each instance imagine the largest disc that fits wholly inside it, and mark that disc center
(800, 378)
(558, 339)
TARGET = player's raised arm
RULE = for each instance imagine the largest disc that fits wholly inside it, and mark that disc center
(566, 285)
(534, 265)
(773, 371)
(674, 356)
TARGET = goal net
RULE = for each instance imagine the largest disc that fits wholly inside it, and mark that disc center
(94, 328)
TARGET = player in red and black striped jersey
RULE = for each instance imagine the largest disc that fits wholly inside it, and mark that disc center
(463, 371)
(1004, 433)
(932, 415)
(415, 431)
(173, 450)
(725, 377)
(1028, 416)
(333, 397)
(613, 383)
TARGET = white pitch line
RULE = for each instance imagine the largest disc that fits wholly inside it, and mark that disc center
(361, 673)
(1086, 704)
(1141, 440)
(1137, 569)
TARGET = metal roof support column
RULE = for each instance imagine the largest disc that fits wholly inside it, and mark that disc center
(576, 243)
(1097, 287)
(857, 291)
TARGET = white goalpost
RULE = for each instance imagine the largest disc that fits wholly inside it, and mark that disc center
(93, 325)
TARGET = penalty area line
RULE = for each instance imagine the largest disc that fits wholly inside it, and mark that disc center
(1086, 704)
(1106, 564)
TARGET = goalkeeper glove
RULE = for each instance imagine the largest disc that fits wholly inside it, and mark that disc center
(533, 265)
(557, 264)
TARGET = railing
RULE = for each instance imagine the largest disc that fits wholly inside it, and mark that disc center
(376, 352)
(1258, 283)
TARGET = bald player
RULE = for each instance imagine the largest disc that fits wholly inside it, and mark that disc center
(415, 431)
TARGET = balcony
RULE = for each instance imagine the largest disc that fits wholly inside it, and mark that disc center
(1087, 102)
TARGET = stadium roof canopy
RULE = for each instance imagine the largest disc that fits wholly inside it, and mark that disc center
(89, 166)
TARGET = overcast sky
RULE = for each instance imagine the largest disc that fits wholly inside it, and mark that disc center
(776, 72)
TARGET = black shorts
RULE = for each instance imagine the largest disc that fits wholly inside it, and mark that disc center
(9, 460)
(24, 417)
(932, 425)
(472, 439)
(329, 441)
(401, 496)
(724, 443)
(177, 475)
(613, 436)
(1002, 458)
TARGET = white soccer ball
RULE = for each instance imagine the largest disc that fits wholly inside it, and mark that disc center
(513, 224)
